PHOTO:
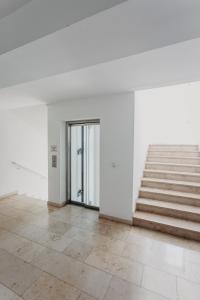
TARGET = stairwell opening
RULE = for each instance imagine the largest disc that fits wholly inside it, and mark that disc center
(167, 160)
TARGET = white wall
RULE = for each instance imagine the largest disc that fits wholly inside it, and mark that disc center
(116, 113)
(23, 136)
(168, 115)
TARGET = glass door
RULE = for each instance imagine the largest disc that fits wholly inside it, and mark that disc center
(76, 164)
(91, 164)
(84, 163)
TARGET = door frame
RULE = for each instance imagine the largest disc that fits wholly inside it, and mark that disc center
(69, 124)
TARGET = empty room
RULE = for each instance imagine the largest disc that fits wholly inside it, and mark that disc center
(100, 150)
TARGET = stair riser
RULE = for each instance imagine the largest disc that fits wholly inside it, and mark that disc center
(169, 198)
(174, 153)
(181, 177)
(163, 167)
(184, 215)
(185, 233)
(175, 160)
(172, 187)
(173, 148)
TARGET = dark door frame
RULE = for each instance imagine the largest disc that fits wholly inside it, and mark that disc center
(69, 125)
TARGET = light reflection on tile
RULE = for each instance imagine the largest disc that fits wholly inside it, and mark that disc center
(159, 282)
(188, 290)
(91, 258)
(122, 290)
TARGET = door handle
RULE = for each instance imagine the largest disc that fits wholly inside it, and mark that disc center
(79, 192)
(80, 151)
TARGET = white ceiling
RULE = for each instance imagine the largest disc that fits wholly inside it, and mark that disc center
(7, 7)
(134, 45)
(131, 28)
(174, 64)
(42, 17)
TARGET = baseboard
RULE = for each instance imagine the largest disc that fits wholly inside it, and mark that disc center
(59, 205)
(119, 220)
(8, 195)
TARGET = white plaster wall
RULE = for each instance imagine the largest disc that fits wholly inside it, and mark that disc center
(116, 114)
(168, 115)
(23, 136)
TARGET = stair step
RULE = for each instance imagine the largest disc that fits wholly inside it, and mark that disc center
(176, 210)
(178, 160)
(166, 147)
(170, 196)
(173, 153)
(165, 184)
(172, 175)
(177, 227)
(191, 168)
(169, 199)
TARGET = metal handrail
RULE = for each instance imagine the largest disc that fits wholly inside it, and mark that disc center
(19, 166)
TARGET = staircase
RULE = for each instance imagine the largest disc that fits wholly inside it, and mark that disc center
(169, 197)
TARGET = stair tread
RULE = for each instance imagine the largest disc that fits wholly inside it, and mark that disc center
(171, 193)
(174, 145)
(174, 157)
(172, 150)
(172, 172)
(159, 219)
(178, 182)
(170, 164)
(171, 205)
(173, 168)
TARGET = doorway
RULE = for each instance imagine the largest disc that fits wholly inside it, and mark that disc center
(83, 163)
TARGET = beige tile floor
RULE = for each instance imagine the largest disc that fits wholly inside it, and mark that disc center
(71, 254)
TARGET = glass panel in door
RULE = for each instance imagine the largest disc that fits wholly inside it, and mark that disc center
(76, 163)
(91, 164)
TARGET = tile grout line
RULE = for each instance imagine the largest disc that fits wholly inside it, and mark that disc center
(61, 252)
(10, 289)
(177, 295)
(42, 271)
(54, 249)
(133, 261)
